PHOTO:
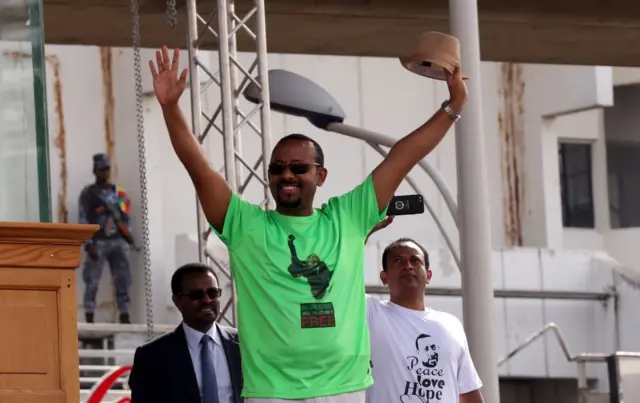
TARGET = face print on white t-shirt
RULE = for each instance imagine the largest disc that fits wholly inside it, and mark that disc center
(427, 351)
(417, 357)
(429, 379)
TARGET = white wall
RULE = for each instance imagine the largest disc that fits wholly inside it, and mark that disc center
(527, 109)
(626, 75)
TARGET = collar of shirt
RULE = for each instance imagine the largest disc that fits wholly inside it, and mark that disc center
(194, 336)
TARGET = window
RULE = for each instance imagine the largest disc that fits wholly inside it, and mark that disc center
(576, 185)
(623, 160)
(622, 134)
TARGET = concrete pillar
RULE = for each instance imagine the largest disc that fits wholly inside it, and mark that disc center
(473, 205)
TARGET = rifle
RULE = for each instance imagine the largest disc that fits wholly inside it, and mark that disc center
(116, 214)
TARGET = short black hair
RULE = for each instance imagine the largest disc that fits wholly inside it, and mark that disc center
(420, 337)
(398, 241)
(302, 137)
(185, 270)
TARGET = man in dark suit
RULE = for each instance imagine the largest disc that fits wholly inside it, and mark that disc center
(199, 362)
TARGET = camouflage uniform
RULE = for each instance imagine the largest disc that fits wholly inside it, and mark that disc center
(111, 246)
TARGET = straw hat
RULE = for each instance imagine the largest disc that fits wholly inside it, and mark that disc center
(434, 53)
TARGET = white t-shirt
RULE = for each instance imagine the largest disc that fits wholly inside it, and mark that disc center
(417, 357)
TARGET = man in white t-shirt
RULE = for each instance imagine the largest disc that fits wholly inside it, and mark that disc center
(418, 355)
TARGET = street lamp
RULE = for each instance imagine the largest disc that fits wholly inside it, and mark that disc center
(296, 95)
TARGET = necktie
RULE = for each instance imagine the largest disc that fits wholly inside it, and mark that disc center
(209, 382)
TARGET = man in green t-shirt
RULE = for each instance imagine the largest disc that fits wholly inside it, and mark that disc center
(299, 270)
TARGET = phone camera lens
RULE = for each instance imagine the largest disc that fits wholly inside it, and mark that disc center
(399, 205)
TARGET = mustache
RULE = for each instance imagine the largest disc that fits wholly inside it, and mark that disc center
(207, 306)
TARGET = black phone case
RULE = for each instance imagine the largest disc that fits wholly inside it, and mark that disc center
(415, 205)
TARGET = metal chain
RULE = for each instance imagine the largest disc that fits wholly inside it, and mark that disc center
(172, 14)
(142, 167)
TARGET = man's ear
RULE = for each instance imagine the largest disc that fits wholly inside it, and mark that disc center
(175, 300)
(429, 274)
(383, 277)
(322, 175)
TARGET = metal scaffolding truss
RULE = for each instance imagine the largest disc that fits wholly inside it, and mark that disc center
(228, 119)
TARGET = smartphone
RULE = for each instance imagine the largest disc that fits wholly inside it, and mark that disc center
(406, 205)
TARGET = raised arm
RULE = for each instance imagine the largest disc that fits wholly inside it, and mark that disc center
(409, 150)
(213, 192)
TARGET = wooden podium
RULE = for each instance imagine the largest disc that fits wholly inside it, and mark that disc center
(38, 319)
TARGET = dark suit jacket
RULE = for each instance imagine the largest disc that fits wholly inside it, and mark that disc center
(163, 372)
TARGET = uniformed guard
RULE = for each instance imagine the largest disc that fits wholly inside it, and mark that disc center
(107, 205)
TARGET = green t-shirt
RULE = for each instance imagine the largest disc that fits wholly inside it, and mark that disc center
(301, 298)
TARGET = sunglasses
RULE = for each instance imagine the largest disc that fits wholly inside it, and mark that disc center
(296, 168)
(197, 295)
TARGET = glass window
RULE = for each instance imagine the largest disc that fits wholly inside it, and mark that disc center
(622, 134)
(623, 166)
(576, 185)
(24, 179)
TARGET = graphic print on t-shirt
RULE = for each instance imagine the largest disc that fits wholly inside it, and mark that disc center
(313, 269)
(428, 383)
(318, 275)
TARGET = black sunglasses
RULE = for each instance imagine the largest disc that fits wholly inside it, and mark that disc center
(197, 295)
(296, 168)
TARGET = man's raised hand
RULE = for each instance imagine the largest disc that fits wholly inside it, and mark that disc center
(457, 89)
(167, 85)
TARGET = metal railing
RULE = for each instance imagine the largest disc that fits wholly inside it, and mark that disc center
(97, 329)
(584, 391)
(511, 293)
(578, 358)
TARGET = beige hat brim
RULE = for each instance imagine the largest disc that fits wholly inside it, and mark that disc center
(435, 71)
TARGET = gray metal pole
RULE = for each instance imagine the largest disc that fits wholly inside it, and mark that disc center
(196, 109)
(473, 205)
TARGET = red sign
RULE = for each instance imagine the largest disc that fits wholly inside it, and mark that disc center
(101, 388)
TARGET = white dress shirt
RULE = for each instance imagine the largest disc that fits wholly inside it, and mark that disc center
(220, 365)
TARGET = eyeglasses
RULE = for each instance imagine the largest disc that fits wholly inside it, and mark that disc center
(197, 295)
(296, 168)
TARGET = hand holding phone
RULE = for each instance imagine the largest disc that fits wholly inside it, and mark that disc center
(406, 205)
